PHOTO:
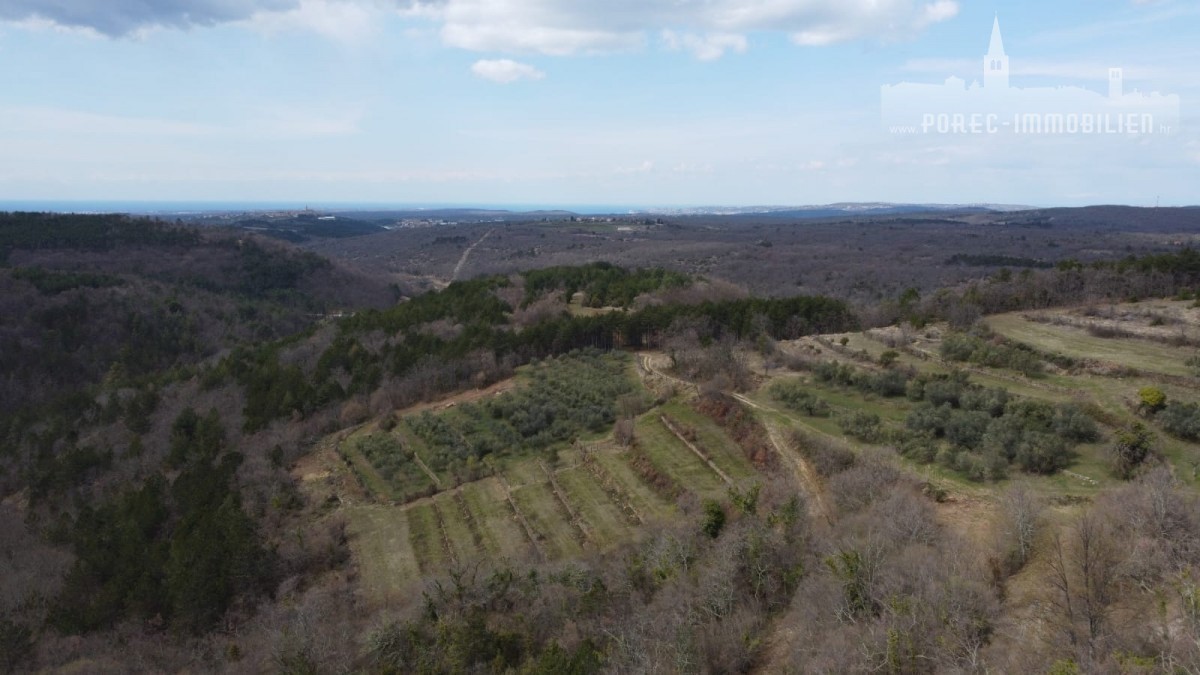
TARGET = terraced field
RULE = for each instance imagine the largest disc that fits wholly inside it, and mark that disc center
(1076, 341)
(527, 510)
(588, 493)
(577, 496)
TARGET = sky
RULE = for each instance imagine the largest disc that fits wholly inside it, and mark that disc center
(559, 102)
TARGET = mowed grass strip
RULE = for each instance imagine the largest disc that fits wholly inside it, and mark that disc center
(641, 496)
(503, 536)
(520, 473)
(457, 530)
(670, 455)
(380, 541)
(1131, 352)
(715, 443)
(606, 520)
(559, 538)
(426, 538)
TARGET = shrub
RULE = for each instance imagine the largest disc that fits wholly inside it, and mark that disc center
(862, 425)
(1042, 453)
(966, 428)
(1151, 399)
(1181, 419)
(1130, 448)
(945, 389)
(827, 456)
(988, 400)
(714, 518)
(928, 419)
(919, 447)
(793, 395)
(1072, 423)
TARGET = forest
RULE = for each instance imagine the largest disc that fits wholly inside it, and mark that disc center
(222, 452)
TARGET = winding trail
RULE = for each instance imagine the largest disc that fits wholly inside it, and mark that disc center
(467, 254)
(805, 474)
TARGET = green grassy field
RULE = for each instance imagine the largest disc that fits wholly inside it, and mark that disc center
(672, 456)
(1145, 355)
(557, 536)
(607, 523)
(721, 449)
(502, 535)
(386, 559)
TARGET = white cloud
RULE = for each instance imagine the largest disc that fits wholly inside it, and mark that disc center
(884, 20)
(505, 71)
(707, 47)
(117, 18)
(345, 21)
(706, 28)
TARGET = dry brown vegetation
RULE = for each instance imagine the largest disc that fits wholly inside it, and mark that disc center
(648, 547)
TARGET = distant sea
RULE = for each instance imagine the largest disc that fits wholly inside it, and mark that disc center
(180, 208)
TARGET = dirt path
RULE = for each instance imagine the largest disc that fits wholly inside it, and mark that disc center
(805, 474)
(781, 639)
(467, 254)
(646, 367)
(469, 396)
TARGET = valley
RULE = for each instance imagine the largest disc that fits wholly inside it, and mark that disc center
(620, 469)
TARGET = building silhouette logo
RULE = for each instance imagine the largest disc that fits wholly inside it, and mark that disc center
(996, 107)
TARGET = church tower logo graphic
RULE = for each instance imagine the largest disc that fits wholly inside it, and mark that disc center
(994, 106)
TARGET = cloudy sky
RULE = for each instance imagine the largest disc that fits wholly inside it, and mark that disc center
(561, 102)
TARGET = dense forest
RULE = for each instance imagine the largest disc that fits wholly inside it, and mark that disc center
(160, 385)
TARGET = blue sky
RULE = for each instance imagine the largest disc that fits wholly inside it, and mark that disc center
(624, 102)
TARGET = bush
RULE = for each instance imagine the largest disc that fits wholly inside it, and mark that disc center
(827, 456)
(945, 389)
(1151, 399)
(918, 447)
(1130, 449)
(929, 419)
(1042, 453)
(1181, 419)
(1072, 423)
(714, 518)
(981, 467)
(994, 353)
(966, 428)
(862, 425)
(990, 401)
(793, 395)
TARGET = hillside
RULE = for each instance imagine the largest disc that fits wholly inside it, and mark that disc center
(237, 456)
